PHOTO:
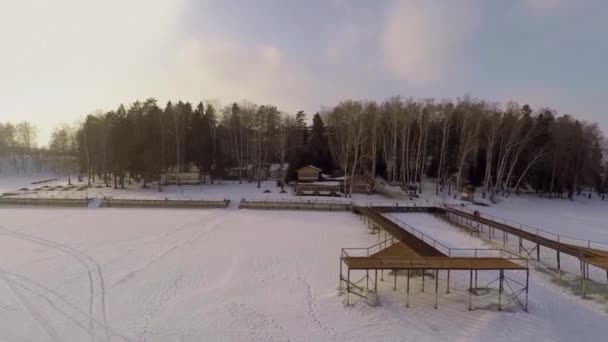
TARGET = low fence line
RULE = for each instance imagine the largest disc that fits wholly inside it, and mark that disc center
(45, 202)
(166, 203)
(295, 205)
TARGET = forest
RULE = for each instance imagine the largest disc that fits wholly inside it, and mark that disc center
(502, 149)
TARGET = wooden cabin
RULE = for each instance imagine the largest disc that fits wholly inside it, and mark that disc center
(309, 174)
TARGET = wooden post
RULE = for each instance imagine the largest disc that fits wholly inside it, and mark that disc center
(376, 281)
(520, 243)
(436, 289)
(583, 282)
(448, 283)
(475, 281)
(422, 281)
(471, 291)
(527, 286)
(537, 250)
(367, 280)
(340, 286)
(348, 287)
(395, 284)
(407, 302)
(500, 289)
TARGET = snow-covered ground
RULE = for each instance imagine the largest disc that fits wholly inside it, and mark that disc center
(228, 275)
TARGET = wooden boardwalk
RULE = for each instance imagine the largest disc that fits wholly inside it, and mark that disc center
(586, 255)
(431, 263)
(419, 246)
(404, 251)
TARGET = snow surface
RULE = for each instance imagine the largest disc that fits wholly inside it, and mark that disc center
(583, 218)
(236, 275)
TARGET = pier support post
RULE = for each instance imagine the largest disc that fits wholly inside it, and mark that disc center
(471, 291)
(448, 282)
(340, 284)
(500, 289)
(436, 289)
(375, 281)
(527, 288)
(395, 283)
(422, 281)
(407, 301)
(348, 287)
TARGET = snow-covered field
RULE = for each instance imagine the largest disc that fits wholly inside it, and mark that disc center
(236, 275)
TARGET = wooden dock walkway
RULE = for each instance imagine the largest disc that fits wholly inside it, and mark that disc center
(404, 251)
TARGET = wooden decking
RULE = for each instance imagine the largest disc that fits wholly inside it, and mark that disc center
(430, 263)
(413, 253)
(418, 246)
(406, 251)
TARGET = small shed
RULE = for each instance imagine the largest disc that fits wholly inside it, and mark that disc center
(308, 174)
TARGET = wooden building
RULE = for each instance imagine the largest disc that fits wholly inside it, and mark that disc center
(309, 174)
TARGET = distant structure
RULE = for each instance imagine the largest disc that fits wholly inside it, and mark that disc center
(309, 174)
(190, 177)
(309, 183)
(275, 172)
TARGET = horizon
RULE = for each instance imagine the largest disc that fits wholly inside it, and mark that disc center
(66, 59)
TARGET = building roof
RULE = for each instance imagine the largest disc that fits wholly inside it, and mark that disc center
(311, 167)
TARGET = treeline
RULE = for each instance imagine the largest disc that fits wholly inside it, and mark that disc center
(17, 138)
(18, 148)
(501, 148)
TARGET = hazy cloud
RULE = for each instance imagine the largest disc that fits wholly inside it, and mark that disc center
(212, 68)
(62, 59)
(422, 41)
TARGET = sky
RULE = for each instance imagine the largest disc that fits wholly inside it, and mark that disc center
(63, 59)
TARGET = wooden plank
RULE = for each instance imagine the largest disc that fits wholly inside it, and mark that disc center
(412, 241)
(435, 263)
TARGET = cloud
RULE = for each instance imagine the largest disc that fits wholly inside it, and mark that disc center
(422, 41)
(225, 70)
(62, 59)
(544, 7)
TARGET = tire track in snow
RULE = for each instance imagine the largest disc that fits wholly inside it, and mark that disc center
(165, 294)
(56, 301)
(164, 253)
(36, 316)
(92, 269)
